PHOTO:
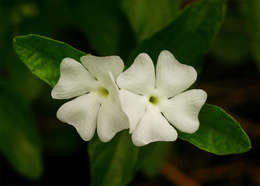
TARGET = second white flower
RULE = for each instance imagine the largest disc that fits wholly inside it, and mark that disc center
(151, 101)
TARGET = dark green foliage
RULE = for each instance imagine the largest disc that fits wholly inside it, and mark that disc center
(113, 163)
(19, 138)
(190, 35)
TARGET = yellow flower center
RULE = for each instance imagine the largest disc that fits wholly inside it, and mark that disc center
(103, 92)
(154, 100)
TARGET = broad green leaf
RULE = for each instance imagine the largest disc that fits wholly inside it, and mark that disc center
(19, 139)
(43, 55)
(150, 16)
(152, 157)
(190, 35)
(113, 163)
(219, 133)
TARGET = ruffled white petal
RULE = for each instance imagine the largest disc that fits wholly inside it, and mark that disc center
(74, 80)
(183, 110)
(173, 77)
(153, 127)
(134, 106)
(139, 77)
(100, 66)
(82, 113)
(111, 119)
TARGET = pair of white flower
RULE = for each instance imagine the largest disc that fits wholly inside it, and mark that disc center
(148, 104)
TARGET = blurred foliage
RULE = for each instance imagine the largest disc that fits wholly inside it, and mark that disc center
(19, 139)
(113, 163)
(103, 27)
(146, 18)
(238, 42)
(155, 153)
(251, 10)
(191, 33)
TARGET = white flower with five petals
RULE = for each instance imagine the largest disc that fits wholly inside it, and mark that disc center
(97, 104)
(154, 103)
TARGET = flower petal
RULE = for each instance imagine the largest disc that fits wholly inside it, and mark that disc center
(134, 107)
(173, 77)
(100, 66)
(139, 77)
(81, 112)
(111, 119)
(74, 80)
(113, 88)
(153, 127)
(183, 110)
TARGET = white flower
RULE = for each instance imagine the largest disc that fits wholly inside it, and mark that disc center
(97, 104)
(151, 102)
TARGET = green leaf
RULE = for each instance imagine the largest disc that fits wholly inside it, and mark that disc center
(190, 35)
(219, 133)
(152, 157)
(150, 16)
(19, 139)
(113, 163)
(43, 55)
